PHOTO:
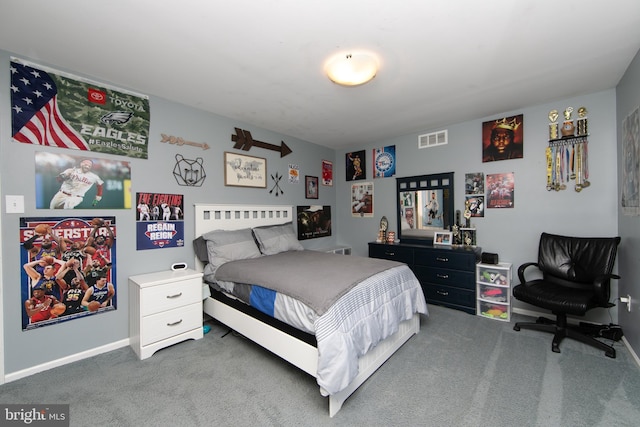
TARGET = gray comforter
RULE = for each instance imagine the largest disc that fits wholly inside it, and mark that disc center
(317, 279)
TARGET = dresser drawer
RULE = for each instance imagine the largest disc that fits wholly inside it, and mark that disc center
(446, 259)
(392, 252)
(167, 324)
(159, 298)
(443, 276)
(460, 298)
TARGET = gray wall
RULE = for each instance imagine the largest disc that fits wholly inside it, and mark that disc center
(512, 233)
(628, 100)
(31, 348)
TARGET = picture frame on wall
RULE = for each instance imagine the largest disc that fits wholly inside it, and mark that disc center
(355, 163)
(327, 173)
(311, 187)
(443, 238)
(241, 170)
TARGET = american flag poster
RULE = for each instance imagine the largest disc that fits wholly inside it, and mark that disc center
(55, 109)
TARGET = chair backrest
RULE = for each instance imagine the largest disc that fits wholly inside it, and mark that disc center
(576, 261)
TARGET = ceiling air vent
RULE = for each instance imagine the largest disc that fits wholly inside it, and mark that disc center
(432, 139)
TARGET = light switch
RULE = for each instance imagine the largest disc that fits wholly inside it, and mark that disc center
(14, 204)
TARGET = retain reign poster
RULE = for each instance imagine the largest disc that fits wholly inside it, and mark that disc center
(159, 220)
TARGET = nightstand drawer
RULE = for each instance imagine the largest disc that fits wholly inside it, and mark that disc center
(155, 299)
(170, 323)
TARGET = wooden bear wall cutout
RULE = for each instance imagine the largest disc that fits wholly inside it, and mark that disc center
(244, 141)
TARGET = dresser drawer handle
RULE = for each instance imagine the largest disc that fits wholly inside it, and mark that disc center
(444, 294)
(442, 276)
(175, 323)
(174, 296)
(390, 253)
(442, 259)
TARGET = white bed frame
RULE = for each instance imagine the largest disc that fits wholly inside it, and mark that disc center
(210, 217)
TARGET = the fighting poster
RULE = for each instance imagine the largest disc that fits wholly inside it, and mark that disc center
(56, 109)
(68, 269)
(159, 220)
(64, 181)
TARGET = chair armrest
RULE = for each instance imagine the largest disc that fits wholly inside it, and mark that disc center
(524, 267)
(603, 292)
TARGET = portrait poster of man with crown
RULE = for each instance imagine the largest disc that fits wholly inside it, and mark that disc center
(502, 139)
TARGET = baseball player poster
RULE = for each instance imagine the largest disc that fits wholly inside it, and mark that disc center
(56, 109)
(159, 220)
(68, 268)
(64, 181)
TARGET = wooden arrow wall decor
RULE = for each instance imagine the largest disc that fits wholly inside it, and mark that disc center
(244, 141)
(181, 141)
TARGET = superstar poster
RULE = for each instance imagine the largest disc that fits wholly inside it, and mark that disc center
(159, 221)
(68, 269)
(56, 109)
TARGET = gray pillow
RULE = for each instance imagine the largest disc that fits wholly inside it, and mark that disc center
(274, 239)
(200, 248)
(229, 245)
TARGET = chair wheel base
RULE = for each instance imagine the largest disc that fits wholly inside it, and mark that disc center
(561, 330)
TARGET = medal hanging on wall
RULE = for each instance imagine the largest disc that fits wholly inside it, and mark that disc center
(567, 155)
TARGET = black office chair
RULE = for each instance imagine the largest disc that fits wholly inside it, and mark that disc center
(576, 272)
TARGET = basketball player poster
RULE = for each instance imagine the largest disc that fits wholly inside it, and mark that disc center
(159, 220)
(68, 268)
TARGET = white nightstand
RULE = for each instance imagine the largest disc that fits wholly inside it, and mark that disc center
(165, 308)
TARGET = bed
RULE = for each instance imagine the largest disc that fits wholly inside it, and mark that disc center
(299, 347)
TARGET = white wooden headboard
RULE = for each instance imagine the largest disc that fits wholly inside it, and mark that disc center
(209, 217)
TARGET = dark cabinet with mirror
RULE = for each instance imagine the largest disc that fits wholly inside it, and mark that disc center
(446, 273)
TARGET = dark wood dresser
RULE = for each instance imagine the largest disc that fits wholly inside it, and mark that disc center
(447, 274)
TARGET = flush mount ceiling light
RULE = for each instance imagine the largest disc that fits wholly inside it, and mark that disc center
(352, 69)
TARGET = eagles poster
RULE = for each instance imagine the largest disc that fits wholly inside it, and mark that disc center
(55, 109)
(68, 269)
(159, 220)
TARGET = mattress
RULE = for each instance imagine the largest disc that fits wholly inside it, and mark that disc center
(366, 313)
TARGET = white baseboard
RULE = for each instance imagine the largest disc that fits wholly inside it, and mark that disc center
(633, 353)
(65, 360)
(536, 314)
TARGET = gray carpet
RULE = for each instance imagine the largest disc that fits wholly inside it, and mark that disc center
(461, 370)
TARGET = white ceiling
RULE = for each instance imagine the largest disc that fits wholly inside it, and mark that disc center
(261, 61)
